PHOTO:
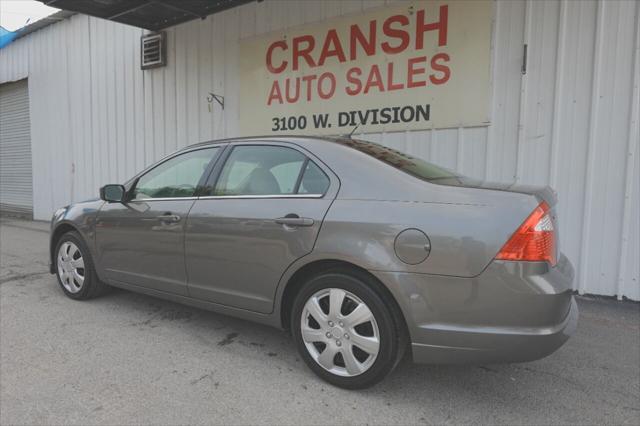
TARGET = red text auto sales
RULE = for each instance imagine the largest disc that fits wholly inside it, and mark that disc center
(392, 36)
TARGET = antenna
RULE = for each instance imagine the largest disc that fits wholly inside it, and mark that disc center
(353, 131)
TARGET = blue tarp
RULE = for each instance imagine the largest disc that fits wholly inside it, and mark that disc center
(6, 37)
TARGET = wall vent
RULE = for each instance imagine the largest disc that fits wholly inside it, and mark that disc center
(153, 48)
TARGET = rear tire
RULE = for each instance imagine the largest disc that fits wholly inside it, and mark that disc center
(75, 269)
(348, 351)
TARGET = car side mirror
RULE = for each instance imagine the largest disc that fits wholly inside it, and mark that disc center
(113, 193)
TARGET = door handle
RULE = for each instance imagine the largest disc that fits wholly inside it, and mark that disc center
(168, 218)
(294, 221)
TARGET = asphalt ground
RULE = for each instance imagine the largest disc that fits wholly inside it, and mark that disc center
(127, 358)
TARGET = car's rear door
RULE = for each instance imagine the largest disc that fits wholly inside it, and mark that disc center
(263, 211)
(141, 241)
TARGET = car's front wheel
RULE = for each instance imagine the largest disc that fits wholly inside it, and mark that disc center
(74, 268)
(344, 330)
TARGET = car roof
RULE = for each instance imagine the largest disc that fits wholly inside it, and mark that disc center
(266, 138)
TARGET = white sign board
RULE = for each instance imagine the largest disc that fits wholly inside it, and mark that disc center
(419, 65)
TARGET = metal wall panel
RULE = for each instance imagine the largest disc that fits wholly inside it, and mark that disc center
(571, 121)
(16, 194)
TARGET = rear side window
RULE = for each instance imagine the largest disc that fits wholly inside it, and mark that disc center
(313, 181)
(286, 175)
(269, 170)
(414, 166)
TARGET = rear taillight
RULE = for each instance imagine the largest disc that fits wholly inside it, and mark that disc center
(535, 239)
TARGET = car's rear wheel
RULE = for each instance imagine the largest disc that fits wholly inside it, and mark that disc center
(344, 331)
(74, 268)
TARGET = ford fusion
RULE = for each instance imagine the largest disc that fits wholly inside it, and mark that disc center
(360, 251)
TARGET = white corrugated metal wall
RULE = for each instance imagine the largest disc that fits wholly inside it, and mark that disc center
(571, 121)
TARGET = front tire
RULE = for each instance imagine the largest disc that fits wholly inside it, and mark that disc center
(344, 330)
(75, 270)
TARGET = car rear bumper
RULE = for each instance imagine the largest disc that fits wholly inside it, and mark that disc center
(512, 312)
(498, 344)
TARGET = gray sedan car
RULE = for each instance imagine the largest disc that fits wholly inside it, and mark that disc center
(360, 251)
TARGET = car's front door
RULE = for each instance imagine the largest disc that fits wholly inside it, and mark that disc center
(264, 210)
(141, 241)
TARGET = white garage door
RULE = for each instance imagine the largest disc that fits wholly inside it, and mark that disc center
(16, 193)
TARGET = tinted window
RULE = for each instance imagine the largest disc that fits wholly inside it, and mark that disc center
(260, 170)
(177, 177)
(408, 164)
(314, 181)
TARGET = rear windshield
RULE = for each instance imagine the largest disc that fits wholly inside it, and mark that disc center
(401, 161)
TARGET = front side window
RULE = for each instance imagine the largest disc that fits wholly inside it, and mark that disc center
(264, 170)
(175, 178)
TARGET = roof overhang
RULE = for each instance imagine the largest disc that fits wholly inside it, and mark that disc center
(152, 15)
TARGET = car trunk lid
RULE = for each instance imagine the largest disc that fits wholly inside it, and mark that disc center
(542, 193)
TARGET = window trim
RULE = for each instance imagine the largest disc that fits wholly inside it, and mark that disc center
(146, 200)
(215, 174)
(303, 169)
(219, 149)
(215, 197)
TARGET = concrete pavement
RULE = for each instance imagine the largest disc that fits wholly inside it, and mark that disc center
(132, 359)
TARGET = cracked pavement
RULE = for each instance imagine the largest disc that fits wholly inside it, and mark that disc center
(132, 359)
